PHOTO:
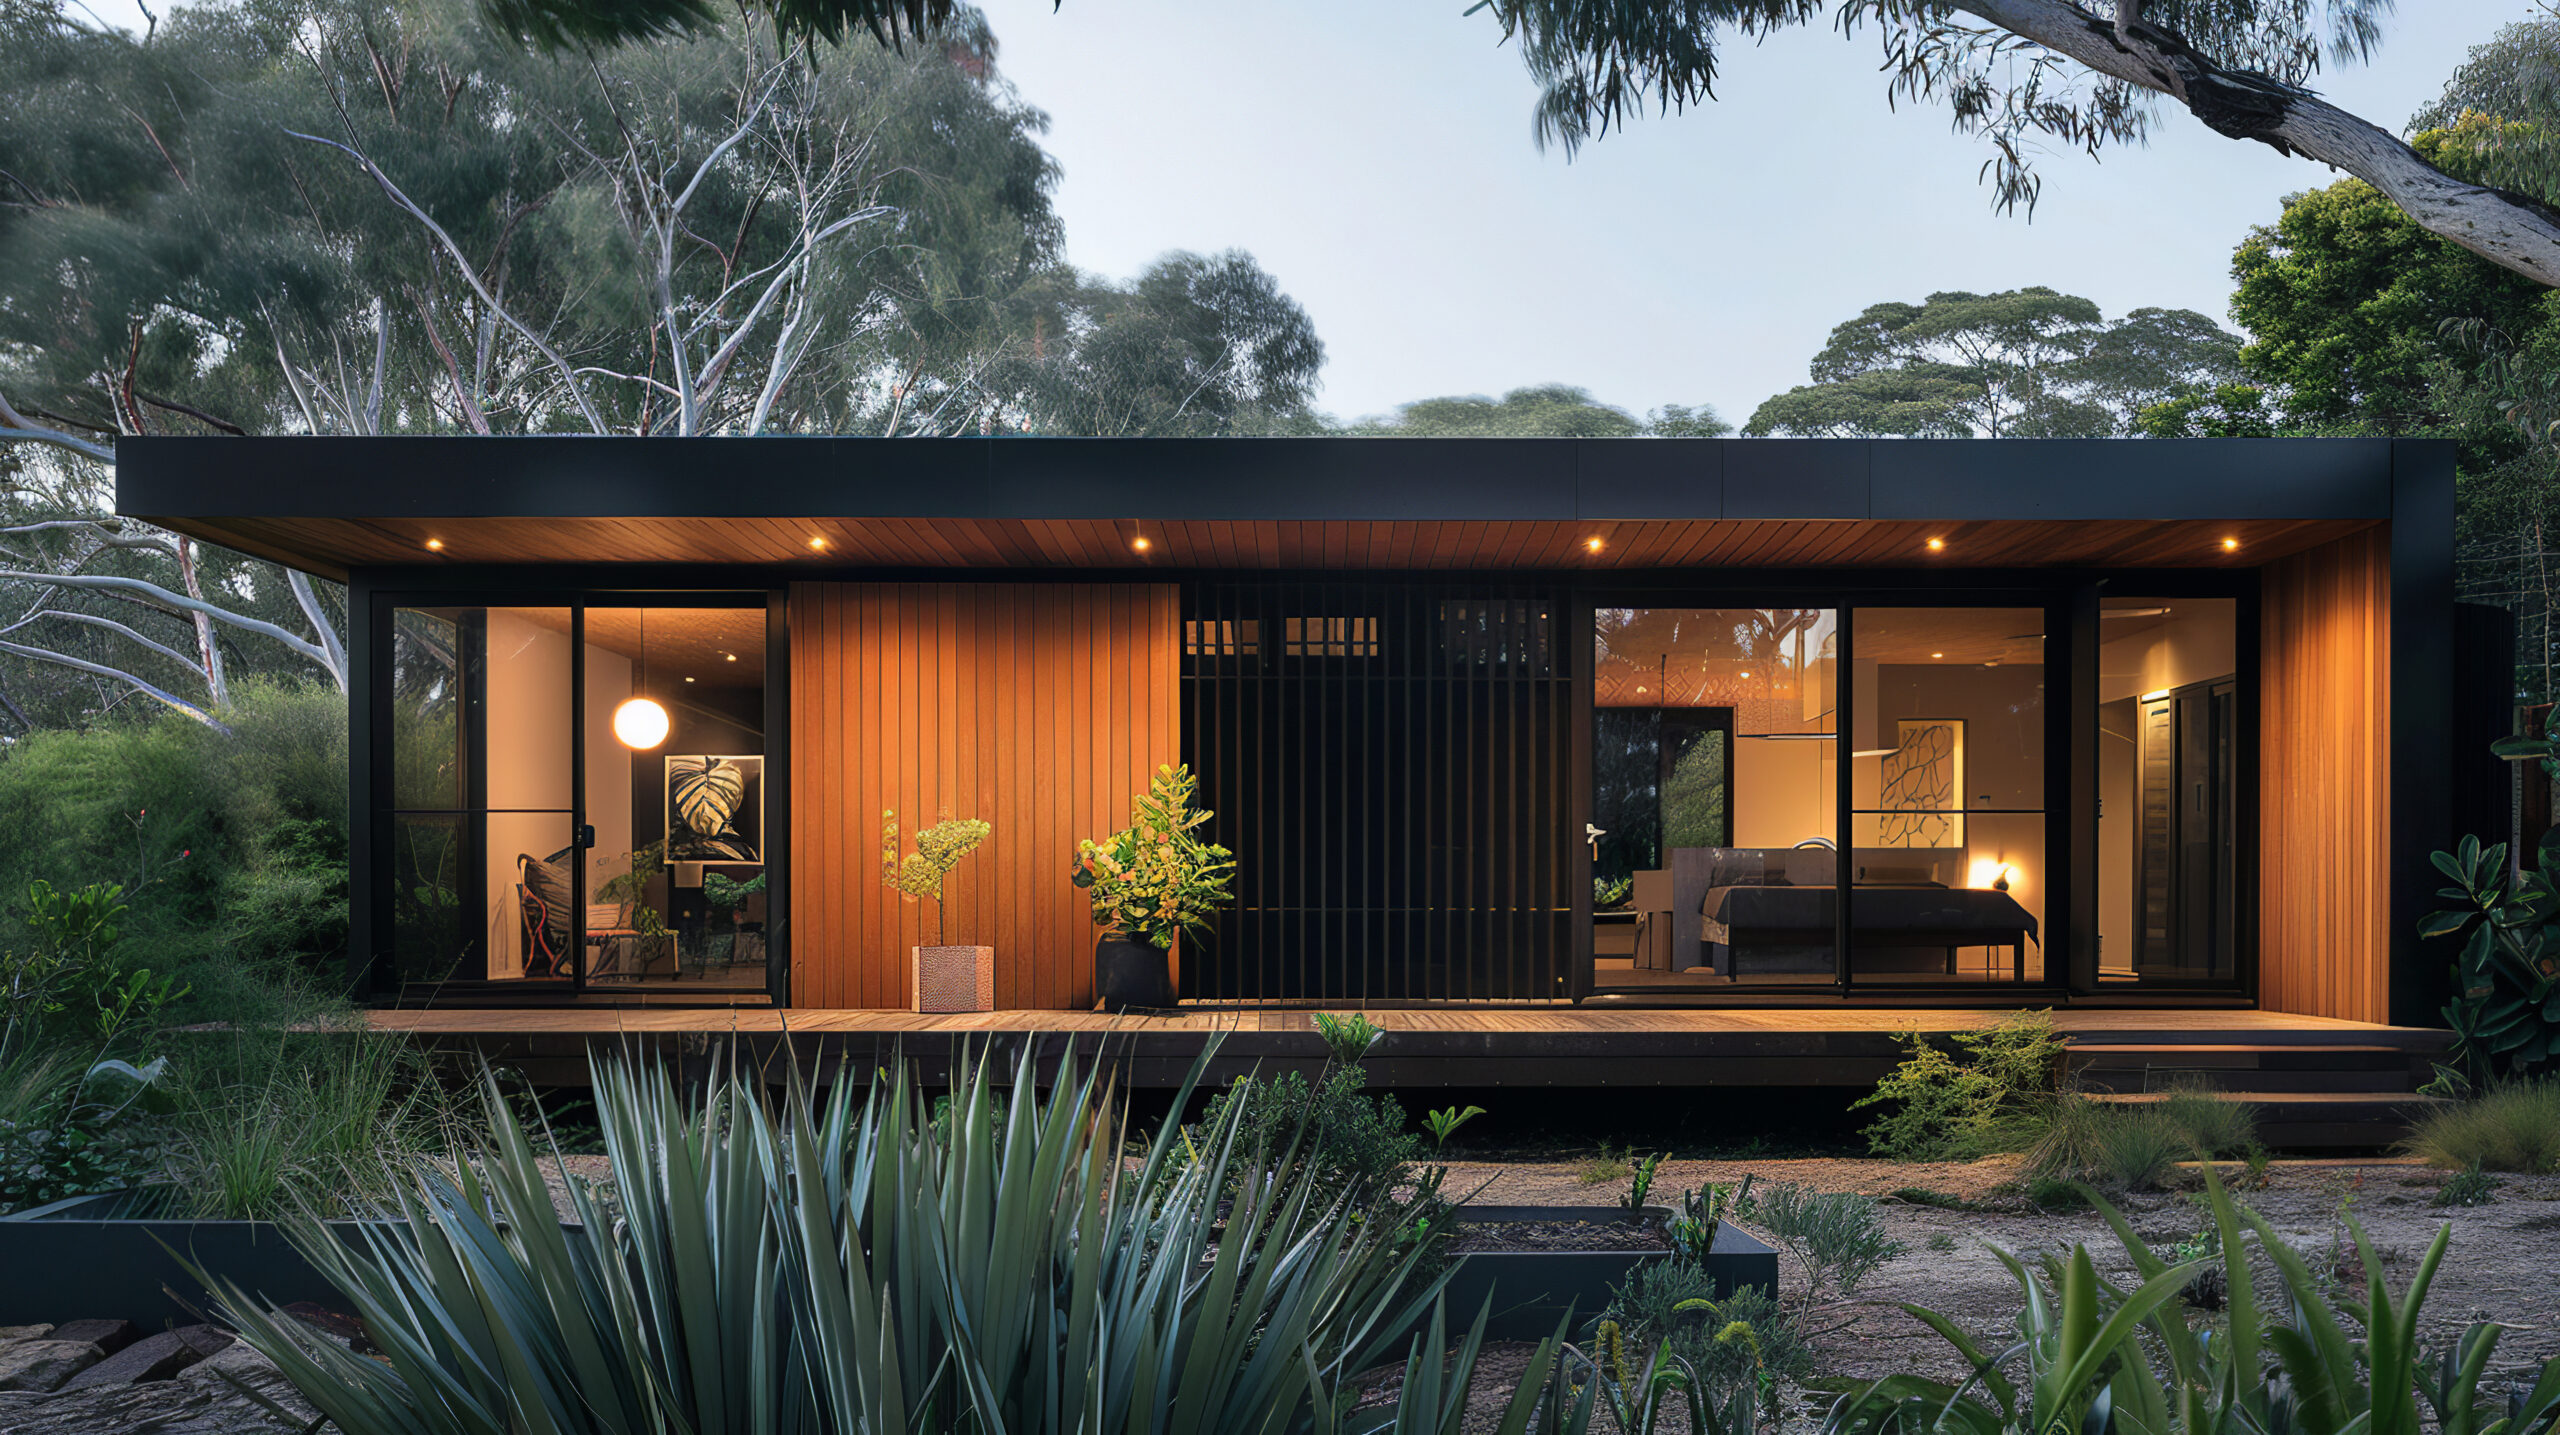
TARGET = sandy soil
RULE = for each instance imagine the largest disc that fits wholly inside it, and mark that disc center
(2501, 1264)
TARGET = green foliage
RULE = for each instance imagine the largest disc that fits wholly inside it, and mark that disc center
(1837, 1236)
(1348, 1039)
(2505, 1013)
(1608, 1166)
(1608, 892)
(2224, 411)
(1995, 1099)
(331, 1125)
(2131, 1146)
(1700, 1216)
(2345, 299)
(2470, 1186)
(1744, 1343)
(725, 893)
(1158, 876)
(1640, 1184)
(919, 875)
(1196, 346)
(2511, 1126)
(1539, 411)
(747, 1270)
(1351, 1146)
(2027, 363)
(2093, 1354)
(1445, 1122)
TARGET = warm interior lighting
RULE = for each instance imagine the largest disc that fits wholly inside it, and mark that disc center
(2153, 696)
(1746, 675)
(2231, 545)
(1594, 543)
(688, 680)
(435, 545)
(817, 544)
(1937, 655)
(1989, 874)
(1937, 545)
(640, 724)
(1141, 543)
(1875, 752)
(732, 657)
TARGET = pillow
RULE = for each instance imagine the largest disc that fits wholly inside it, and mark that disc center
(546, 885)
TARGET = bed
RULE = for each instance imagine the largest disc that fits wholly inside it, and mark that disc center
(1795, 927)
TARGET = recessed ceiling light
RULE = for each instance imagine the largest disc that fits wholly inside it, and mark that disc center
(688, 680)
(1141, 543)
(816, 543)
(435, 545)
(1937, 545)
(1937, 655)
(732, 657)
(1595, 543)
(2230, 545)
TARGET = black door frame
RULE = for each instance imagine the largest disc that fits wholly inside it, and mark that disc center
(373, 813)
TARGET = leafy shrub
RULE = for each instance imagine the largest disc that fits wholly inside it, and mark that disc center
(1349, 1144)
(1674, 1302)
(2505, 1014)
(1838, 1236)
(1992, 1100)
(2513, 1127)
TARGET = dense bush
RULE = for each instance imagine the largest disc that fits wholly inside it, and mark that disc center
(2514, 1127)
(231, 850)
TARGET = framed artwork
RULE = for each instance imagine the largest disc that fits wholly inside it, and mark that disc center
(1922, 793)
(715, 808)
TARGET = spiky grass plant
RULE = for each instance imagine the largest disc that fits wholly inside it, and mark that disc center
(846, 1263)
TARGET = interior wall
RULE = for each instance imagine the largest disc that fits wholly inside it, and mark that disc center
(525, 707)
(609, 803)
(1039, 707)
(1782, 792)
(2196, 643)
(2119, 820)
(2324, 768)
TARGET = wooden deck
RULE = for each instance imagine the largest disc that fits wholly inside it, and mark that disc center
(1441, 1047)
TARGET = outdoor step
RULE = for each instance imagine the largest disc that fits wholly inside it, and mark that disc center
(2357, 1057)
(2301, 1120)
(2161, 1078)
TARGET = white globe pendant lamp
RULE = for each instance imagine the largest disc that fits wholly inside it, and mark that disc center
(640, 723)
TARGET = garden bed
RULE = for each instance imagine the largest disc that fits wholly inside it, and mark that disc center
(1536, 1264)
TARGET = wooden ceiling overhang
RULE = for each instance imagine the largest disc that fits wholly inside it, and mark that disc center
(820, 505)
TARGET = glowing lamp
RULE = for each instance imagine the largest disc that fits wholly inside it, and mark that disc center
(640, 723)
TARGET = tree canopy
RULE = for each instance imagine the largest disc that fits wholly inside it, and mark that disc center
(1540, 411)
(2024, 363)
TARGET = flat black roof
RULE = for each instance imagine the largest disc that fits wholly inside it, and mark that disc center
(1610, 480)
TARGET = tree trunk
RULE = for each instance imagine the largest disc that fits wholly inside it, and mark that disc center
(2511, 230)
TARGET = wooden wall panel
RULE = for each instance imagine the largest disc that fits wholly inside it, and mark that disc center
(1039, 707)
(2324, 790)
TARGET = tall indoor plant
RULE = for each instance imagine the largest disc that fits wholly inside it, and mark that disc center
(941, 978)
(1150, 882)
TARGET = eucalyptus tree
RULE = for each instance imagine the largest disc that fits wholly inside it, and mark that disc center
(2017, 74)
(359, 217)
(1540, 411)
(2024, 363)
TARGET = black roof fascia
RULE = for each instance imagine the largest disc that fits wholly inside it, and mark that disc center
(1589, 480)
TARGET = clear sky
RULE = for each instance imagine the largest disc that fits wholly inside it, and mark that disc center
(1375, 156)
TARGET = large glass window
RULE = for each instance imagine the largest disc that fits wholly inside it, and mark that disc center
(1715, 774)
(2167, 802)
(1947, 795)
(577, 795)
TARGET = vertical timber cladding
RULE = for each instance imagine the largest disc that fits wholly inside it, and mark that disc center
(1039, 707)
(2324, 754)
(1391, 763)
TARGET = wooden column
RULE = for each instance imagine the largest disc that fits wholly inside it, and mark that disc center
(1039, 707)
(2324, 784)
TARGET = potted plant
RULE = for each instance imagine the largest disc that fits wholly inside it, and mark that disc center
(1150, 882)
(941, 978)
(728, 896)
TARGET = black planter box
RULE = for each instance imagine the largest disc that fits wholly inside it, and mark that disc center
(58, 1267)
(1531, 1290)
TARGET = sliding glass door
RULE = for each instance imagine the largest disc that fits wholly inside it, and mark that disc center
(1947, 868)
(571, 796)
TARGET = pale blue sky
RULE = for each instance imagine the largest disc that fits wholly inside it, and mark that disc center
(1375, 156)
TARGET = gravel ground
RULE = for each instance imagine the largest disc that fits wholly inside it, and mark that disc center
(1603, 1233)
(2500, 1266)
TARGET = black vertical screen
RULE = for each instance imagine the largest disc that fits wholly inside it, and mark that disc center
(1391, 764)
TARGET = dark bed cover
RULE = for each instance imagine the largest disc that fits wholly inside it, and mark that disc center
(1904, 911)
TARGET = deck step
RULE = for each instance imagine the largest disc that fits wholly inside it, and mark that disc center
(2345, 1067)
(2301, 1120)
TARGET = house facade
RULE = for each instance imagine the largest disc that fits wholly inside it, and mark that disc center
(1523, 722)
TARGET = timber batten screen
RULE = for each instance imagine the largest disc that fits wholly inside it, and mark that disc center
(1392, 764)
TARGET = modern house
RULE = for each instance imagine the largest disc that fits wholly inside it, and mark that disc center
(1635, 722)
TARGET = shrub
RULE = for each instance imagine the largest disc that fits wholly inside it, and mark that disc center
(1674, 1302)
(1350, 1144)
(2130, 1146)
(2515, 1127)
(330, 1127)
(1838, 1236)
(1992, 1100)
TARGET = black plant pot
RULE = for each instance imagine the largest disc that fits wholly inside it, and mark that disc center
(1130, 974)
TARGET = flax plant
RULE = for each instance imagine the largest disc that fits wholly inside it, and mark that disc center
(846, 1262)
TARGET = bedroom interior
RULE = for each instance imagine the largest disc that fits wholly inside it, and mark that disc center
(1717, 762)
